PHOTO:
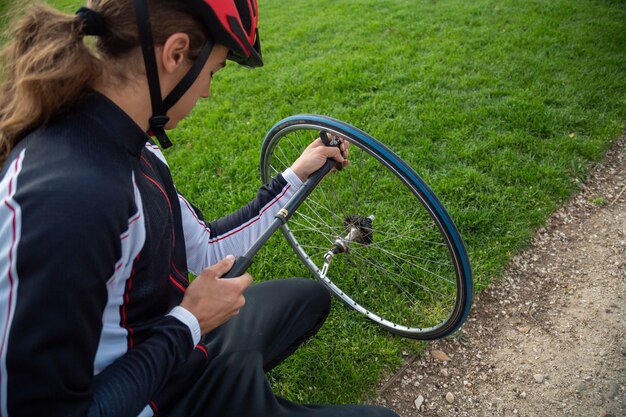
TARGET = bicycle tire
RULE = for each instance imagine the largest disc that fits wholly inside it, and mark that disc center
(414, 278)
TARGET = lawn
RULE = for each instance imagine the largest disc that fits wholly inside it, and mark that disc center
(502, 106)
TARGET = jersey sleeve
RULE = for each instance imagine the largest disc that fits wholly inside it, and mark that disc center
(208, 242)
(61, 241)
(127, 385)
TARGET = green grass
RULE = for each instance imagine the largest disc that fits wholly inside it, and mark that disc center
(502, 106)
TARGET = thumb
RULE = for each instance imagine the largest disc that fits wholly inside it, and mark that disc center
(224, 265)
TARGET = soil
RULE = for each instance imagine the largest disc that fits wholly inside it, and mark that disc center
(549, 339)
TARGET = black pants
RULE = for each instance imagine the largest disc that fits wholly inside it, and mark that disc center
(278, 316)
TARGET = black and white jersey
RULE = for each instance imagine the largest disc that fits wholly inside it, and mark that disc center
(95, 248)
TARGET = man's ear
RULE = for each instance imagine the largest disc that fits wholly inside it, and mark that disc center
(175, 52)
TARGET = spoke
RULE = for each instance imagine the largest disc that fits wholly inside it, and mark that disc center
(299, 148)
(403, 278)
(394, 234)
(313, 208)
(283, 159)
(332, 189)
(355, 183)
(318, 219)
(322, 249)
(378, 245)
(394, 237)
(315, 225)
(392, 228)
(327, 183)
(364, 274)
(382, 314)
(394, 255)
(301, 228)
(364, 248)
(320, 252)
(415, 305)
(406, 238)
(310, 202)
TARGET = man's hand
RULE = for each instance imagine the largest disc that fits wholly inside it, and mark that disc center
(213, 300)
(315, 156)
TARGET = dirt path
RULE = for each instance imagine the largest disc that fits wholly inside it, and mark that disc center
(550, 340)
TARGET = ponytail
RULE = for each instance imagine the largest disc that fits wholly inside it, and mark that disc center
(44, 68)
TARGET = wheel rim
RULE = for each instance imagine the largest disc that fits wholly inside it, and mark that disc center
(407, 279)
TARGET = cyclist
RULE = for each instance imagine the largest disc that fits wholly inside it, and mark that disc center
(97, 316)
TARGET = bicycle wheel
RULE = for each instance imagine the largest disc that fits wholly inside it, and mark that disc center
(396, 255)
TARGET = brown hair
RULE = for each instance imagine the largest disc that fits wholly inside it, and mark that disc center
(46, 67)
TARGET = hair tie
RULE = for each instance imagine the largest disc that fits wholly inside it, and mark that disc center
(93, 21)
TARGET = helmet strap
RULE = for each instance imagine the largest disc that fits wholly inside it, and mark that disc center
(189, 78)
(159, 119)
(159, 106)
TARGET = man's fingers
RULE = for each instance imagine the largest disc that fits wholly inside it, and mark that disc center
(345, 149)
(337, 155)
(243, 281)
(238, 285)
(223, 266)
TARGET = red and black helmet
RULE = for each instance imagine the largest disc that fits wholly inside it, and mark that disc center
(234, 24)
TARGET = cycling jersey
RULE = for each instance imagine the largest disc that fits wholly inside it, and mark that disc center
(95, 248)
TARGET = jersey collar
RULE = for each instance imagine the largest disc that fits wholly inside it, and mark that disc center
(118, 125)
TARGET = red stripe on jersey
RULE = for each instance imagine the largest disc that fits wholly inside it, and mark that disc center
(258, 217)
(183, 289)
